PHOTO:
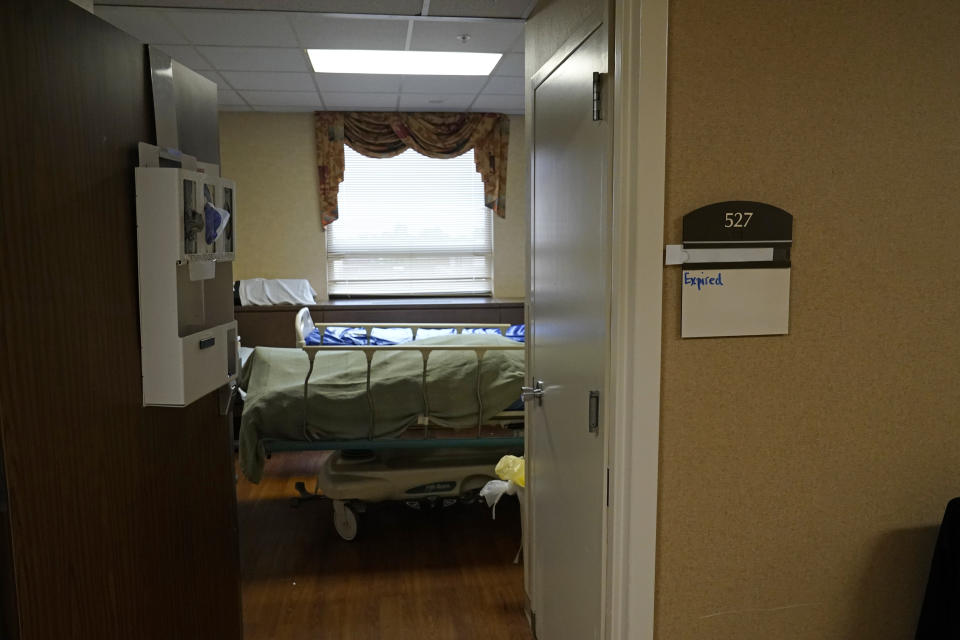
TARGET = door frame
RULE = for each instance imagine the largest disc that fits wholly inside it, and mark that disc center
(638, 105)
(639, 194)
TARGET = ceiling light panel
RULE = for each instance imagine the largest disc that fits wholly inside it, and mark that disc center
(424, 63)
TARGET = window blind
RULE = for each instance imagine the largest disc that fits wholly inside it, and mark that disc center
(410, 225)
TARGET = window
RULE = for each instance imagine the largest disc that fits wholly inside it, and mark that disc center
(410, 225)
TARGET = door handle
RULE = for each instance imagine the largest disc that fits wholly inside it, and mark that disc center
(529, 393)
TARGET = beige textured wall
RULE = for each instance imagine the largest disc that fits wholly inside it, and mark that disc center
(510, 233)
(802, 477)
(272, 157)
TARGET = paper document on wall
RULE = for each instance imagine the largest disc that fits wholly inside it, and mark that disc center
(735, 302)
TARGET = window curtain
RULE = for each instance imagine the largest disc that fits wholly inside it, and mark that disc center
(436, 135)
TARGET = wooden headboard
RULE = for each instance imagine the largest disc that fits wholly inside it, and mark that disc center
(273, 326)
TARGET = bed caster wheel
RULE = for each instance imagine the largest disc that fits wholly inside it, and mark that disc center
(344, 520)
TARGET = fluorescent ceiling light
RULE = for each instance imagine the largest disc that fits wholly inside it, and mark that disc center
(411, 63)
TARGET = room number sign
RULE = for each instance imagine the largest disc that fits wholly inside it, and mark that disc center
(740, 222)
(737, 279)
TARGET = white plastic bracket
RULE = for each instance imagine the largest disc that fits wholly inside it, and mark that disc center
(676, 254)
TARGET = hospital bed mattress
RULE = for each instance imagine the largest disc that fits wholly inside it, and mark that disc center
(335, 404)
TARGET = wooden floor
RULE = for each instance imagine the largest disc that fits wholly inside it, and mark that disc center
(444, 573)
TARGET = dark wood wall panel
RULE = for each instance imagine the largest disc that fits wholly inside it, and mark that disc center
(122, 520)
(9, 621)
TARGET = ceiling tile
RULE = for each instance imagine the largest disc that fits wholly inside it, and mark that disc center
(360, 101)
(376, 7)
(282, 98)
(508, 104)
(510, 65)
(381, 7)
(436, 102)
(358, 83)
(317, 31)
(239, 28)
(492, 37)
(255, 59)
(443, 84)
(479, 8)
(230, 107)
(146, 25)
(226, 97)
(185, 55)
(269, 81)
(213, 76)
(505, 84)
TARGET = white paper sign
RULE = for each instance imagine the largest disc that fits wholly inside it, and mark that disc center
(735, 302)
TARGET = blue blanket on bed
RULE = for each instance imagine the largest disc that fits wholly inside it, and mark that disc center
(387, 336)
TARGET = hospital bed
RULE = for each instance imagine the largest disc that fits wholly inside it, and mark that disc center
(423, 421)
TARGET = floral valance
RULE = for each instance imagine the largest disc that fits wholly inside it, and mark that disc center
(437, 135)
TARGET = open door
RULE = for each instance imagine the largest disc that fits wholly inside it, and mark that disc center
(569, 320)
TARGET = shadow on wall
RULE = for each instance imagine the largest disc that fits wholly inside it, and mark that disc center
(890, 593)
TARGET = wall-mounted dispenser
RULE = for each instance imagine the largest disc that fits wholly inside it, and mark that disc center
(186, 240)
(736, 270)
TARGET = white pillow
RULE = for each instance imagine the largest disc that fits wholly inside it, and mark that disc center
(263, 291)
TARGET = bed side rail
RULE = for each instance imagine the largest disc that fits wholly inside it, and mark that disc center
(302, 325)
(368, 327)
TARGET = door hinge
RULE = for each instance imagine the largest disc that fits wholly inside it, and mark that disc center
(596, 96)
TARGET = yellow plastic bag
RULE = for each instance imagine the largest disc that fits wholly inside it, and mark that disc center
(512, 468)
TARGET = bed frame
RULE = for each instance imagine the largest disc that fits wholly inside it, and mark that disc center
(304, 325)
(445, 470)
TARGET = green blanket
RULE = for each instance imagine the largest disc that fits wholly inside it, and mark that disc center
(335, 405)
